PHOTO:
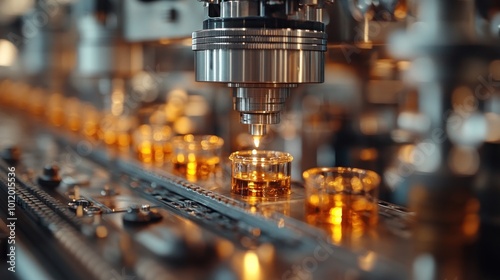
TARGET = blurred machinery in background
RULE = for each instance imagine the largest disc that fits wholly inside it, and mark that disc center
(92, 92)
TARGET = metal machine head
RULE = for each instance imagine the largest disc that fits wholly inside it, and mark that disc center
(261, 49)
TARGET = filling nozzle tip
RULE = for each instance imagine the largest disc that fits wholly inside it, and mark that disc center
(256, 140)
(257, 131)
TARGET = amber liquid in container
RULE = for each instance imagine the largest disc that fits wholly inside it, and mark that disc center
(90, 122)
(151, 143)
(342, 201)
(196, 157)
(72, 114)
(55, 111)
(343, 216)
(261, 184)
(261, 173)
(198, 167)
(116, 130)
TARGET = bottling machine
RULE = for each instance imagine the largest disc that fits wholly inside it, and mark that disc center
(125, 126)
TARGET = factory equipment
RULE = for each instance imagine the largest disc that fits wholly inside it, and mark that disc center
(261, 49)
(115, 164)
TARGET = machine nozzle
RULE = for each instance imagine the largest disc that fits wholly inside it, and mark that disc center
(261, 54)
(259, 107)
(257, 131)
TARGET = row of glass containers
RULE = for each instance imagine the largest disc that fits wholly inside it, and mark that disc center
(340, 200)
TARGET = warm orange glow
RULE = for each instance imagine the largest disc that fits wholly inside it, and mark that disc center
(77, 193)
(117, 97)
(116, 131)
(145, 152)
(72, 114)
(90, 129)
(151, 144)
(158, 153)
(336, 234)
(8, 53)
(367, 262)
(335, 216)
(196, 157)
(368, 154)
(55, 109)
(101, 232)
(79, 211)
(195, 167)
(266, 253)
(346, 218)
(109, 137)
(251, 266)
(493, 121)
(224, 249)
(401, 10)
(471, 221)
(256, 141)
(36, 102)
(124, 139)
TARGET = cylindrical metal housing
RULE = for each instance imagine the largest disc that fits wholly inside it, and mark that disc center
(261, 57)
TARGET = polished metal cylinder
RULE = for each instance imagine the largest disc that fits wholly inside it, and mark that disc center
(259, 106)
(231, 9)
(262, 49)
(261, 64)
(257, 130)
(259, 56)
(260, 99)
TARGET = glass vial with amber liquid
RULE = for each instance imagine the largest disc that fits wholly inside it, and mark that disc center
(260, 173)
